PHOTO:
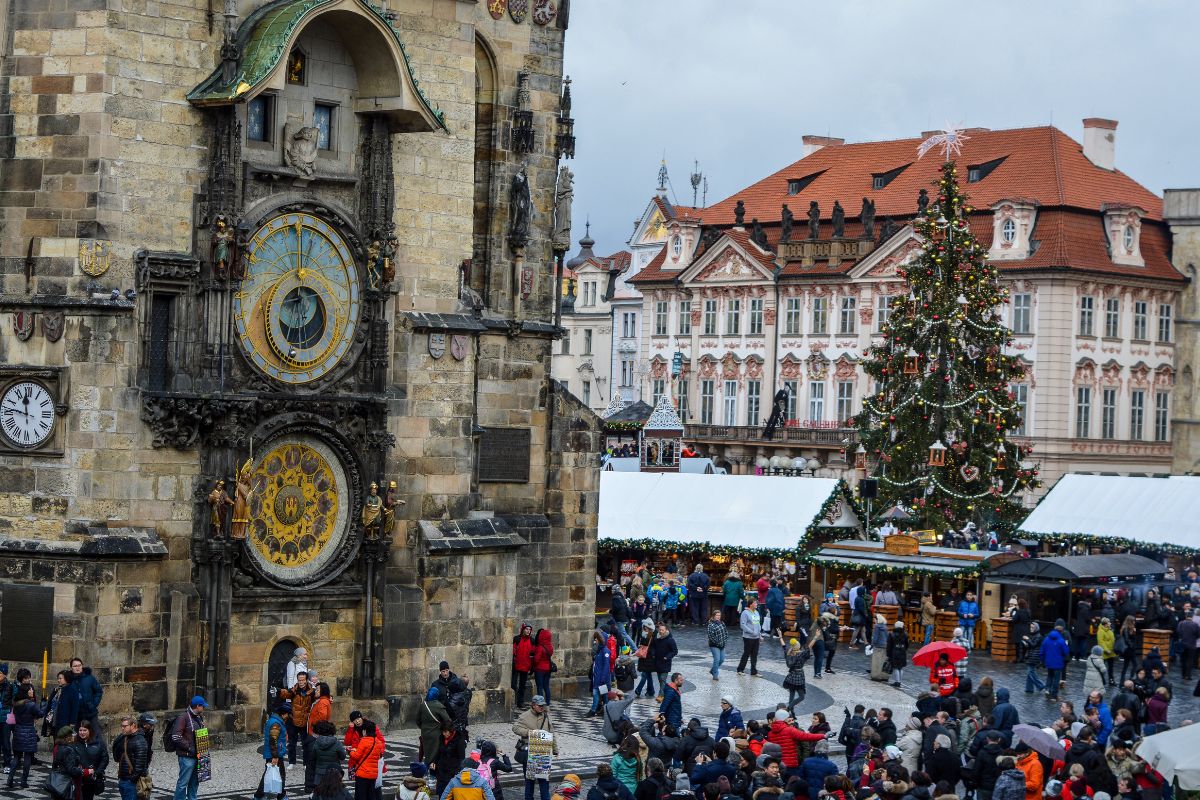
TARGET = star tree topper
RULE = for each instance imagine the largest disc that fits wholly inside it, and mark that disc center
(950, 140)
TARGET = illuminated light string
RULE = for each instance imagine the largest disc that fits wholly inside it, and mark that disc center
(933, 479)
(1111, 542)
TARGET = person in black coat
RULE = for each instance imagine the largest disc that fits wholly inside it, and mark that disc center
(696, 741)
(982, 776)
(661, 654)
(131, 753)
(1081, 630)
(66, 757)
(93, 757)
(655, 785)
(943, 764)
(26, 712)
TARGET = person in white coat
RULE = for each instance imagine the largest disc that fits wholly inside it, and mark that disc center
(299, 663)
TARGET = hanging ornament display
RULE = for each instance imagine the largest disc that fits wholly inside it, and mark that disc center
(969, 472)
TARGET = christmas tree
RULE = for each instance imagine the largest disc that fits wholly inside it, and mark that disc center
(935, 431)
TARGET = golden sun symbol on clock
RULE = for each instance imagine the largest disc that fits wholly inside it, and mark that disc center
(300, 300)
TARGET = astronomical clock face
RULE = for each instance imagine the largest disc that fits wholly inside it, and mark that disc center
(299, 510)
(300, 300)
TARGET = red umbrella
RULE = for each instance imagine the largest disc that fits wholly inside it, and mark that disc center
(928, 655)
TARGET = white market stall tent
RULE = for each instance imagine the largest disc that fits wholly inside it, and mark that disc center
(735, 511)
(1162, 513)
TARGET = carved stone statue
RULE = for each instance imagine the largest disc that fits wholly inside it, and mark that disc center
(785, 224)
(922, 202)
(241, 503)
(218, 500)
(839, 220)
(390, 502)
(372, 511)
(520, 205)
(374, 249)
(887, 230)
(387, 259)
(739, 213)
(300, 149)
(560, 241)
(757, 234)
(868, 218)
(814, 220)
(222, 238)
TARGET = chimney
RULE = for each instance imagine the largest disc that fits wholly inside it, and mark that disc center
(1100, 141)
(814, 143)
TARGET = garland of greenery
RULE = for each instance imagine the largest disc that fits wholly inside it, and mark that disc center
(623, 425)
(1112, 542)
(965, 572)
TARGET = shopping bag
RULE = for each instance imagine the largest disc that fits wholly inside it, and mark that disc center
(272, 781)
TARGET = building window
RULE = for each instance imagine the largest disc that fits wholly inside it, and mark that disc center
(1137, 414)
(820, 318)
(846, 322)
(1164, 322)
(683, 399)
(685, 318)
(657, 390)
(1083, 411)
(816, 401)
(753, 402)
(323, 122)
(845, 401)
(587, 393)
(627, 372)
(791, 319)
(706, 402)
(1108, 413)
(1139, 320)
(1020, 393)
(756, 316)
(730, 399)
(259, 118)
(1008, 231)
(710, 317)
(566, 344)
(1021, 306)
(793, 391)
(677, 247)
(660, 318)
(1128, 238)
(629, 325)
(1085, 315)
(160, 362)
(883, 311)
(1112, 318)
(1160, 416)
(587, 341)
(733, 318)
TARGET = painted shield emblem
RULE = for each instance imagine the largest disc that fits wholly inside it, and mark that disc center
(53, 323)
(544, 12)
(23, 325)
(437, 344)
(458, 347)
(497, 8)
(518, 10)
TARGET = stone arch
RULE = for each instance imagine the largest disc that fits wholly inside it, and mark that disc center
(486, 133)
(272, 670)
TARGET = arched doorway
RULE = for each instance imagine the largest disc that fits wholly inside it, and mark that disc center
(277, 663)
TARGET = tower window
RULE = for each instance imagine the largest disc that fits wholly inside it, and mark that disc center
(323, 122)
(259, 118)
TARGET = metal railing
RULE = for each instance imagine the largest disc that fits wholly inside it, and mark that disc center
(834, 437)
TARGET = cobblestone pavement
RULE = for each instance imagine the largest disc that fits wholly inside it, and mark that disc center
(236, 769)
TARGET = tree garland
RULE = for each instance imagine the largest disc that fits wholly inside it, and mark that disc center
(607, 545)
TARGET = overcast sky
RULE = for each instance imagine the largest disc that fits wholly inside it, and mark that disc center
(735, 84)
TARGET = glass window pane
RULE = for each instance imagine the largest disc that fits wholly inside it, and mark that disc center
(323, 122)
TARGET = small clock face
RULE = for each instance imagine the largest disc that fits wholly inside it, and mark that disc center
(299, 302)
(27, 414)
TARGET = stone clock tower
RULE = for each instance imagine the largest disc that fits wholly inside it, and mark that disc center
(277, 304)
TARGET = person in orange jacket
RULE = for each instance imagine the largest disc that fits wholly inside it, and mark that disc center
(364, 762)
(1029, 763)
(943, 677)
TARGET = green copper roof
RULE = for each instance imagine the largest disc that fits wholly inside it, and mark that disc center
(263, 38)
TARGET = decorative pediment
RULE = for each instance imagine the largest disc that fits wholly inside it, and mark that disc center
(727, 262)
(903, 248)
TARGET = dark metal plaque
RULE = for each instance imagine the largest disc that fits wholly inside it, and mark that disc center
(504, 455)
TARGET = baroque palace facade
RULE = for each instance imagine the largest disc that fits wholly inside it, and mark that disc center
(278, 304)
(783, 285)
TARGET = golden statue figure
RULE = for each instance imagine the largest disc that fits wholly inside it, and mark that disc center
(219, 500)
(372, 510)
(390, 501)
(241, 503)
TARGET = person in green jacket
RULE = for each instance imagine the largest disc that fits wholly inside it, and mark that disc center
(734, 592)
(625, 765)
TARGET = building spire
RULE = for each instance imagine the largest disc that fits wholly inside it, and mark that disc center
(697, 176)
(662, 176)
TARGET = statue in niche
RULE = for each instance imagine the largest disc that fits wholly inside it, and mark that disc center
(374, 256)
(300, 148)
(814, 220)
(372, 512)
(868, 218)
(839, 220)
(219, 502)
(387, 259)
(241, 503)
(560, 241)
(785, 224)
(390, 503)
(222, 239)
(739, 213)
(520, 205)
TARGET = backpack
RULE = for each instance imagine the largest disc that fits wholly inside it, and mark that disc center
(457, 706)
(485, 771)
(851, 733)
(168, 742)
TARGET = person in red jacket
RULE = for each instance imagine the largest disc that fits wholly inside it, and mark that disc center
(786, 736)
(522, 655)
(543, 652)
(943, 677)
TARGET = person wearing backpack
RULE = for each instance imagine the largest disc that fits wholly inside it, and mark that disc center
(851, 733)
(495, 762)
(180, 738)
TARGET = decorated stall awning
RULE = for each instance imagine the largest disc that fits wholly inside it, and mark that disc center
(738, 513)
(901, 553)
(1114, 568)
(1120, 512)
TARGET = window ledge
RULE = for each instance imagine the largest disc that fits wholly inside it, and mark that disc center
(1087, 336)
(1113, 339)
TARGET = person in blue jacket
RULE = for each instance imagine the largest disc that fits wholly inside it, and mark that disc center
(775, 606)
(1055, 653)
(817, 767)
(730, 719)
(275, 747)
(1099, 716)
(968, 615)
(601, 670)
(672, 704)
(88, 691)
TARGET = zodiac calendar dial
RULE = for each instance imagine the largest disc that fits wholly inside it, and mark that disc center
(300, 300)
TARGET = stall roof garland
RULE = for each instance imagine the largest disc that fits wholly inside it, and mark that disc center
(1111, 543)
(854, 566)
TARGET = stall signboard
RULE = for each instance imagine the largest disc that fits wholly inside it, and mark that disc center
(901, 544)
(926, 536)
(628, 566)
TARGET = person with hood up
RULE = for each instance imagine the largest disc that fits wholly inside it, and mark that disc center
(943, 677)
(795, 656)
(624, 765)
(816, 768)
(543, 664)
(730, 718)
(696, 741)
(910, 742)
(432, 718)
(1005, 714)
(467, 784)
(787, 737)
(325, 753)
(608, 786)
(1054, 654)
(601, 670)
(1010, 784)
(1095, 673)
(569, 788)
(522, 661)
(897, 651)
(494, 762)
(275, 748)
(614, 711)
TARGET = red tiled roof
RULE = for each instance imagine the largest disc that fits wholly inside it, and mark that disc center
(670, 211)
(619, 261)
(654, 272)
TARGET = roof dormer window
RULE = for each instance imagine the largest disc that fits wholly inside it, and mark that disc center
(977, 172)
(881, 179)
(677, 247)
(797, 185)
(1008, 231)
(1127, 238)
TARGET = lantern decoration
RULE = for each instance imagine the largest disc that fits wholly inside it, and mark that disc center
(912, 363)
(1001, 458)
(937, 454)
(860, 458)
